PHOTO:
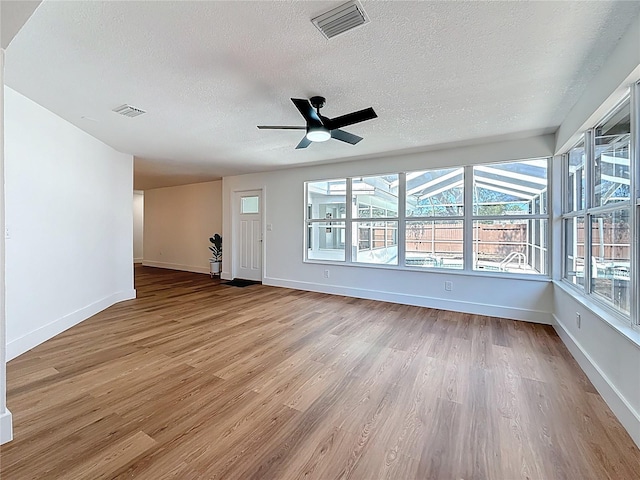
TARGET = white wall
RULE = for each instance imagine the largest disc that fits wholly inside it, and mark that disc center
(69, 222)
(609, 353)
(138, 225)
(529, 299)
(178, 222)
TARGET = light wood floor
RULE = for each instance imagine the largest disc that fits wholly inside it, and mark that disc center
(195, 380)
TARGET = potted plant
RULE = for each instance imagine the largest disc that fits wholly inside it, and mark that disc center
(216, 254)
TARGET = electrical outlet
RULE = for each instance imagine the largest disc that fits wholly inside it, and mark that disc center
(326, 274)
(448, 286)
(578, 319)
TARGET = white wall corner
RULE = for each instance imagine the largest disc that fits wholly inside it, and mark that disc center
(628, 417)
(6, 427)
(527, 315)
(36, 337)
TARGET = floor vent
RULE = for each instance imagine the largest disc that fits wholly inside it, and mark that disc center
(341, 19)
(128, 111)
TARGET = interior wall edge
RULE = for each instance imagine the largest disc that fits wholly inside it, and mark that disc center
(36, 337)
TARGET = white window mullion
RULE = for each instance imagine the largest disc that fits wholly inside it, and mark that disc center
(634, 194)
(348, 227)
(547, 253)
(589, 153)
(467, 245)
(402, 214)
(565, 190)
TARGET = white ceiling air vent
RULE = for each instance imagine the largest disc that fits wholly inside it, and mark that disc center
(341, 19)
(128, 110)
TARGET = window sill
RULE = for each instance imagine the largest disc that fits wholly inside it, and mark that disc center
(608, 316)
(436, 270)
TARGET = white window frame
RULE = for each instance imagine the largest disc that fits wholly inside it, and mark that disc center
(434, 218)
(467, 219)
(590, 209)
(530, 216)
(357, 220)
(634, 187)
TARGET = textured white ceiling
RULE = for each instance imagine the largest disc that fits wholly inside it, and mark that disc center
(208, 72)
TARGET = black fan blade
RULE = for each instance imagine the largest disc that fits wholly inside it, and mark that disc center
(304, 143)
(280, 127)
(307, 111)
(345, 136)
(351, 118)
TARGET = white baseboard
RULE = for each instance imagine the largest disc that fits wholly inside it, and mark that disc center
(137, 260)
(33, 339)
(419, 301)
(6, 427)
(175, 266)
(628, 417)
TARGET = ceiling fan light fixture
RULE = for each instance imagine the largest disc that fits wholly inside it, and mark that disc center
(318, 134)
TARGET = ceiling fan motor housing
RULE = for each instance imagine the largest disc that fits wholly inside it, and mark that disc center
(317, 102)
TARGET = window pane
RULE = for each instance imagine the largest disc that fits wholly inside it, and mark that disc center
(611, 254)
(574, 250)
(326, 199)
(375, 242)
(376, 197)
(434, 244)
(435, 193)
(611, 167)
(249, 205)
(576, 179)
(514, 246)
(325, 241)
(510, 188)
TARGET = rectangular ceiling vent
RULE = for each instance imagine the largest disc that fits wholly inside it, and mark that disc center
(341, 19)
(128, 110)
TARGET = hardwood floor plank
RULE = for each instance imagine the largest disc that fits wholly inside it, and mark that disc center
(198, 380)
(324, 449)
(101, 465)
(406, 427)
(33, 380)
(385, 464)
(439, 457)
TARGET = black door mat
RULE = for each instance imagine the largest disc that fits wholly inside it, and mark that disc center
(239, 282)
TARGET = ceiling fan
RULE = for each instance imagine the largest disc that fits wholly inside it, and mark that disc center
(321, 129)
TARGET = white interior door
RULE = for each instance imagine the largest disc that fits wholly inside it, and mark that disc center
(249, 234)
